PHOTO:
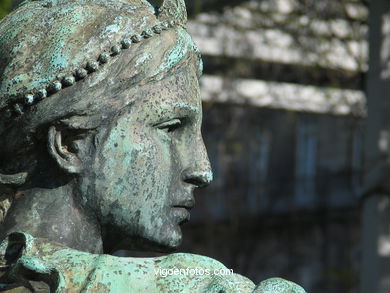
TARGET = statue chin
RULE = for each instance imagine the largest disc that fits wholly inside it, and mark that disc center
(144, 246)
(165, 242)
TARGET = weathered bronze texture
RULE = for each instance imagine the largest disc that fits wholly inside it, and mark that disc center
(101, 148)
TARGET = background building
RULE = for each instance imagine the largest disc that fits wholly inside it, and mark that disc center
(284, 122)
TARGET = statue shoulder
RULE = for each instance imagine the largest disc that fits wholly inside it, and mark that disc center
(210, 275)
(34, 265)
(278, 285)
(192, 260)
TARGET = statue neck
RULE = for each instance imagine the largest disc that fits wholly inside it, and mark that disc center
(54, 214)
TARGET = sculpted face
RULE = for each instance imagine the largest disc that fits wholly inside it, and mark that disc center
(149, 161)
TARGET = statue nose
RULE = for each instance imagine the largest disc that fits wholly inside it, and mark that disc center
(198, 171)
(198, 178)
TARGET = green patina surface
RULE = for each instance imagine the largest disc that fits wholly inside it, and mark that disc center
(75, 271)
(183, 45)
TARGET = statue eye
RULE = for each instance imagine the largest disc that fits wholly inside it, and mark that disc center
(170, 125)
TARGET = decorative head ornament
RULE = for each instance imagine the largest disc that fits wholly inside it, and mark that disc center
(19, 91)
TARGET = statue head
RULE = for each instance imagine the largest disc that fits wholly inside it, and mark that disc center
(100, 103)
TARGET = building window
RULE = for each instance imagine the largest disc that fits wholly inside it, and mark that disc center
(217, 200)
(214, 152)
(263, 157)
(306, 161)
(259, 161)
(357, 161)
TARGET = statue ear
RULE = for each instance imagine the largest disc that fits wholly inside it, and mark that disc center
(66, 160)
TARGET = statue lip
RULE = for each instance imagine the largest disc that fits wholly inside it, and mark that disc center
(187, 205)
(181, 207)
(181, 214)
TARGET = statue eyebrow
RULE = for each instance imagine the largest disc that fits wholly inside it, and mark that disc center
(179, 110)
(185, 106)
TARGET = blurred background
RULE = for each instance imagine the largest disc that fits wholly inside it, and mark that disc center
(297, 133)
(284, 125)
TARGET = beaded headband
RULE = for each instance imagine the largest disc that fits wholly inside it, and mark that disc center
(171, 9)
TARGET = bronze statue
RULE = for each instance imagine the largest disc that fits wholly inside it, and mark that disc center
(101, 149)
